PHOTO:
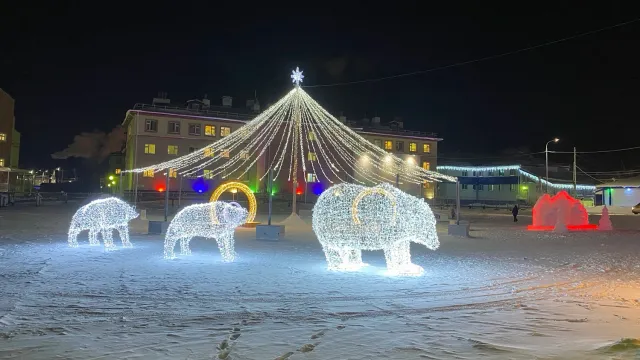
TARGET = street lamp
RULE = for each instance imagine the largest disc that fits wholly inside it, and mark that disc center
(546, 160)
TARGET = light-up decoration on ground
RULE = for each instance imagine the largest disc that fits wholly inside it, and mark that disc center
(349, 218)
(559, 213)
(196, 220)
(605, 221)
(102, 217)
(231, 185)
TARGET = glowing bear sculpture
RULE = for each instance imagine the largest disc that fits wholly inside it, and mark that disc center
(350, 218)
(103, 216)
(216, 220)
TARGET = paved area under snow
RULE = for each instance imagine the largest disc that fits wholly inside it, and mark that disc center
(504, 293)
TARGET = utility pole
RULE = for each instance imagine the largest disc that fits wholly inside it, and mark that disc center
(575, 187)
(166, 197)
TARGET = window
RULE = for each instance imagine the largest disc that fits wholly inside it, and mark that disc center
(489, 173)
(311, 177)
(377, 142)
(388, 145)
(311, 156)
(151, 125)
(512, 172)
(225, 153)
(512, 187)
(195, 129)
(174, 127)
(209, 130)
(1, 162)
(3, 137)
(173, 173)
(208, 152)
(399, 145)
(244, 154)
(427, 185)
(172, 149)
(311, 136)
(426, 148)
(148, 173)
(480, 187)
(426, 165)
(464, 186)
(501, 172)
(225, 131)
(149, 148)
(118, 171)
(192, 149)
(465, 173)
(490, 187)
(413, 147)
(474, 173)
(208, 174)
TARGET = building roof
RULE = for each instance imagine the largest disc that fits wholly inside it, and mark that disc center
(629, 182)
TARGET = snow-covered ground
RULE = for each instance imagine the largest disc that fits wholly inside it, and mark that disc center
(505, 293)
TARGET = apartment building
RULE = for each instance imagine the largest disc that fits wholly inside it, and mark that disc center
(9, 137)
(160, 132)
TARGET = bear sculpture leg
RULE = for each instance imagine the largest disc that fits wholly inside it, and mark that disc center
(225, 244)
(123, 231)
(398, 258)
(93, 238)
(169, 244)
(73, 237)
(107, 237)
(343, 259)
(184, 246)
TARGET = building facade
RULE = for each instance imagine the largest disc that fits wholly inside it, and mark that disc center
(9, 137)
(160, 132)
(506, 184)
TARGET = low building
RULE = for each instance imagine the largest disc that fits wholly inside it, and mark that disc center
(9, 136)
(509, 184)
(622, 192)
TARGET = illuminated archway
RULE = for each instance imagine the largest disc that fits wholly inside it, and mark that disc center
(253, 207)
(371, 191)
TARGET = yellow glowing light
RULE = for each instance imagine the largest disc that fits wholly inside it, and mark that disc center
(234, 191)
(234, 185)
(110, 177)
(371, 191)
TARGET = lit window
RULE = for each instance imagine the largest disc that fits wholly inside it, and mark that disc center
(388, 145)
(427, 185)
(512, 187)
(311, 177)
(426, 148)
(490, 187)
(413, 147)
(311, 156)
(225, 153)
(244, 154)
(174, 127)
(426, 165)
(1, 162)
(151, 125)
(3, 137)
(118, 171)
(377, 142)
(208, 152)
(148, 173)
(399, 145)
(195, 129)
(208, 174)
(173, 173)
(501, 172)
(225, 131)
(311, 136)
(149, 148)
(172, 149)
(209, 130)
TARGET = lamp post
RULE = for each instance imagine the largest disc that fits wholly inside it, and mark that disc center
(546, 161)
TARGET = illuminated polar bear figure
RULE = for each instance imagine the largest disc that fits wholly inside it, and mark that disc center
(350, 218)
(216, 220)
(102, 216)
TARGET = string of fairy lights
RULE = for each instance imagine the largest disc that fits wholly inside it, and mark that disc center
(309, 136)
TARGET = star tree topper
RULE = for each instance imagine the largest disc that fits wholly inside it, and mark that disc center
(296, 76)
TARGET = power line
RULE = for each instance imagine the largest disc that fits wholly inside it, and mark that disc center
(479, 59)
(595, 152)
(577, 167)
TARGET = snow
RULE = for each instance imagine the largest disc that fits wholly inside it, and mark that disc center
(504, 293)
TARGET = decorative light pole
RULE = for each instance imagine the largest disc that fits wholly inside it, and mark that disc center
(296, 78)
(546, 160)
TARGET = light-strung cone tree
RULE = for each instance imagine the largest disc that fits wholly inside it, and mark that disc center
(302, 137)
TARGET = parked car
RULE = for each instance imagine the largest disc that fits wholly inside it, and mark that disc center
(636, 209)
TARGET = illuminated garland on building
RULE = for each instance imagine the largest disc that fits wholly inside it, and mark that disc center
(308, 134)
(349, 218)
(519, 168)
(214, 220)
(102, 217)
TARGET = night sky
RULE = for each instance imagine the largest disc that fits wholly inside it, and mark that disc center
(79, 68)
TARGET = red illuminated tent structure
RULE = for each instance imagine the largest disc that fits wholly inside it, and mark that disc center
(561, 210)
